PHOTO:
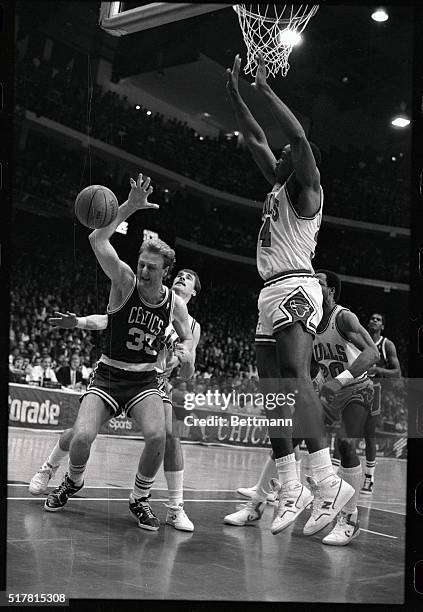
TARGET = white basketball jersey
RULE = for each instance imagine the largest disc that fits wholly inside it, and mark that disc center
(333, 351)
(286, 240)
(163, 366)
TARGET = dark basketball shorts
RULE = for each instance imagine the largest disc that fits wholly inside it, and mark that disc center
(121, 389)
(298, 298)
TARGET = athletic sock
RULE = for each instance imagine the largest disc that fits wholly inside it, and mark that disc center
(76, 473)
(142, 486)
(286, 469)
(336, 463)
(175, 487)
(354, 477)
(370, 468)
(55, 457)
(320, 464)
(263, 487)
(298, 468)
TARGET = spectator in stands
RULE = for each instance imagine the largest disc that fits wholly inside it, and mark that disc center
(44, 372)
(71, 375)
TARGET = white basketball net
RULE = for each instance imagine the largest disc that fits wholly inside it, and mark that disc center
(272, 29)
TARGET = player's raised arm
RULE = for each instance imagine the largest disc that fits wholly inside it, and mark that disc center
(306, 171)
(253, 134)
(69, 320)
(106, 255)
(351, 327)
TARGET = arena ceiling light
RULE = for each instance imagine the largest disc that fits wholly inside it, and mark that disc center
(380, 15)
(400, 122)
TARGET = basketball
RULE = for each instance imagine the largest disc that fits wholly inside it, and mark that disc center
(96, 206)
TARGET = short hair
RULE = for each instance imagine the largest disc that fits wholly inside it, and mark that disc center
(381, 315)
(333, 281)
(316, 152)
(197, 285)
(155, 245)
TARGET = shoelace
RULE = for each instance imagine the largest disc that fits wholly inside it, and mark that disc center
(62, 488)
(147, 509)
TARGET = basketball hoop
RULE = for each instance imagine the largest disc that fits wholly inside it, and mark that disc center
(273, 29)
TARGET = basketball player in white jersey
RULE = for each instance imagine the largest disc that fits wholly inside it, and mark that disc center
(186, 285)
(290, 304)
(387, 366)
(343, 345)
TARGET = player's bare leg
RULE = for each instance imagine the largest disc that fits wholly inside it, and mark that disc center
(39, 482)
(93, 412)
(347, 525)
(174, 473)
(370, 440)
(294, 350)
(150, 416)
(293, 497)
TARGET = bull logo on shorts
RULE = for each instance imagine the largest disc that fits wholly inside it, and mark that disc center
(299, 306)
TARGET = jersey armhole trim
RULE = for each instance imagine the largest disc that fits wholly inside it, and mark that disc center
(337, 326)
(293, 207)
(112, 311)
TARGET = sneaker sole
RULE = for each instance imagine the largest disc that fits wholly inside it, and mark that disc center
(246, 524)
(179, 528)
(366, 492)
(357, 533)
(49, 509)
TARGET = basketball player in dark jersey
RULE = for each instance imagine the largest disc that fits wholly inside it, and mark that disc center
(187, 285)
(125, 381)
(290, 304)
(388, 366)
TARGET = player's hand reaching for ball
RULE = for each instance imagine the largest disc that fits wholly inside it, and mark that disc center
(260, 82)
(140, 190)
(66, 320)
(232, 76)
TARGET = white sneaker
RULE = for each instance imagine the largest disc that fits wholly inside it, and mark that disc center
(293, 499)
(250, 513)
(177, 517)
(250, 492)
(39, 482)
(346, 529)
(330, 496)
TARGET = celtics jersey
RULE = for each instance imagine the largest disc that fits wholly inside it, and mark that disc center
(333, 351)
(136, 331)
(286, 241)
(164, 365)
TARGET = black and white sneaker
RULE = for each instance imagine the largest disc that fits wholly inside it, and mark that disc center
(58, 498)
(141, 511)
(367, 488)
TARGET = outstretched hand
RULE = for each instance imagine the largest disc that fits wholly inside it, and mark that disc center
(233, 75)
(139, 193)
(261, 76)
(67, 320)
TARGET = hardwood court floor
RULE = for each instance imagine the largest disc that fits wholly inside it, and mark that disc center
(93, 548)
